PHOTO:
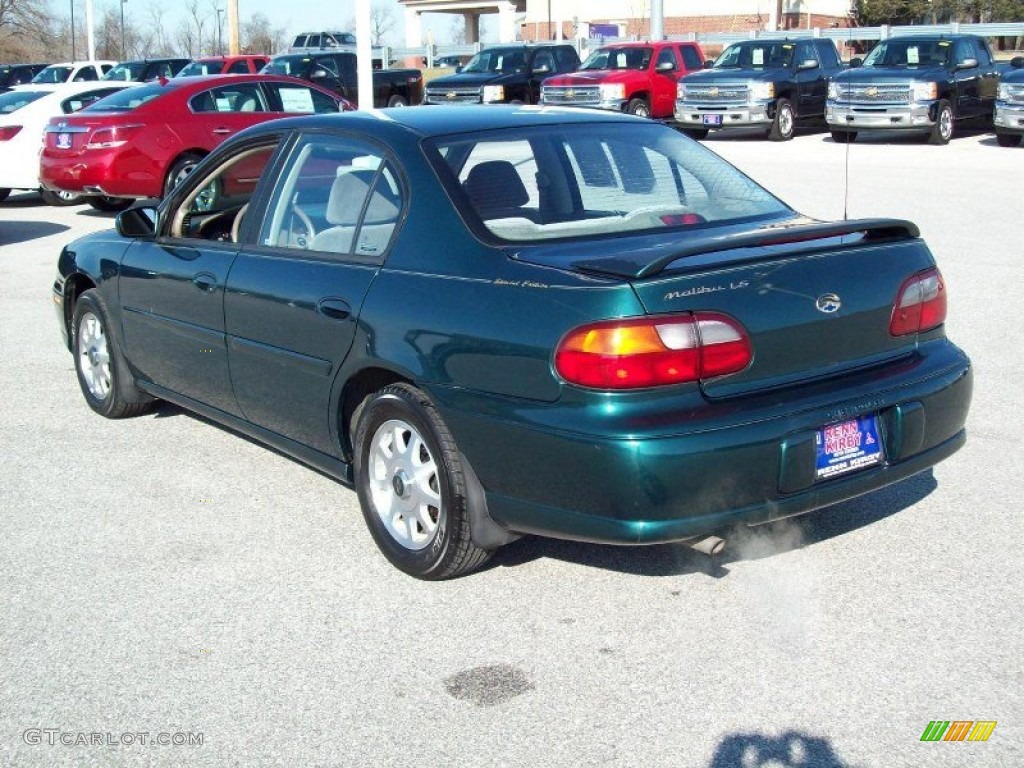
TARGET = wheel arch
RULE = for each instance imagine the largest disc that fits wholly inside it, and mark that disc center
(356, 389)
(74, 286)
(196, 151)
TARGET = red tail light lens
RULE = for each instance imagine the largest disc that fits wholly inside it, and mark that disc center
(652, 351)
(114, 136)
(920, 304)
(8, 132)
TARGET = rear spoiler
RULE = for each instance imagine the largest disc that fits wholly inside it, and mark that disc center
(871, 229)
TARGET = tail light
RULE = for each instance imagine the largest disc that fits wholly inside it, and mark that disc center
(113, 136)
(8, 132)
(920, 305)
(653, 351)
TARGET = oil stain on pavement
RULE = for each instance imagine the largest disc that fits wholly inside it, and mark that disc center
(488, 685)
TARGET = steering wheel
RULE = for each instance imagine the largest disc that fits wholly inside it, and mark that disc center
(302, 231)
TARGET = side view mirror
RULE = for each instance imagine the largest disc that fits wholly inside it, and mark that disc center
(967, 64)
(709, 64)
(137, 222)
(808, 64)
(318, 72)
(1017, 62)
(856, 61)
(665, 66)
(542, 69)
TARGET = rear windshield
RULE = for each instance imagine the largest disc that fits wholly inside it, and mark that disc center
(201, 68)
(53, 74)
(12, 101)
(128, 99)
(598, 179)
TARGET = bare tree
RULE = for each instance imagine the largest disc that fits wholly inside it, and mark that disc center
(26, 29)
(259, 37)
(193, 35)
(382, 23)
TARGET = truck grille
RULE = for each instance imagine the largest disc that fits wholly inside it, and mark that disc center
(1016, 94)
(453, 95)
(870, 93)
(568, 95)
(722, 93)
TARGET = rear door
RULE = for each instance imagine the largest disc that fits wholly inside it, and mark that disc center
(295, 291)
(227, 109)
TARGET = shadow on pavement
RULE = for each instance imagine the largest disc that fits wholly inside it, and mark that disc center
(791, 749)
(23, 231)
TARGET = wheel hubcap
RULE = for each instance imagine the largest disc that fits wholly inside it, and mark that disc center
(786, 122)
(404, 484)
(946, 123)
(94, 356)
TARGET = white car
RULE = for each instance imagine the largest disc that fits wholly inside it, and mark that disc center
(24, 113)
(73, 72)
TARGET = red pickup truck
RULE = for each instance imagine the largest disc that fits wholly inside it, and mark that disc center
(639, 78)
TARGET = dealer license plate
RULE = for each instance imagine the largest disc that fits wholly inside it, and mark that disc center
(63, 141)
(712, 119)
(847, 446)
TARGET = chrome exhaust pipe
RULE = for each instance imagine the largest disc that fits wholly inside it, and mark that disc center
(710, 545)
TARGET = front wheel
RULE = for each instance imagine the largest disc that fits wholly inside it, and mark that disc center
(109, 204)
(942, 131)
(412, 486)
(60, 198)
(784, 124)
(1003, 139)
(102, 371)
(844, 137)
(696, 133)
(639, 107)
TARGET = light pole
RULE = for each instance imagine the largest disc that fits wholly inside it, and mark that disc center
(74, 57)
(220, 48)
(122, 29)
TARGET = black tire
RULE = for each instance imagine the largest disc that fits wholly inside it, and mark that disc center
(4, 192)
(398, 101)
(696, 133)
(942, 131)
(1003, 139)
(109, 204)
(61, 198)
(784, 123)
(639, 107)
(181, 167)
(844, 137)
(103, 373)
(394, 423)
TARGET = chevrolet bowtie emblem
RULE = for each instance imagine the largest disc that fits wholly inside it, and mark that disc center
(570, 93)
(450, 95)
(712, 92)
(872, 92)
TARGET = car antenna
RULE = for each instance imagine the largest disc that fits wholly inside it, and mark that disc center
(846, 159)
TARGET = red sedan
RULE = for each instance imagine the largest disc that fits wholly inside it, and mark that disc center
(141, 141)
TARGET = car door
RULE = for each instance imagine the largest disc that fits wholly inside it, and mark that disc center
(665, 77)
(225, 110)
(968, 80)
(294, 293)
(541, 68)
(171, 286)
(812, 84)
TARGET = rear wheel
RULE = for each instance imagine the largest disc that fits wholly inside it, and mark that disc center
(412, 485)
(696, 133)
(784, 123)
(397, 101)
(844, 137)
(102, 371)
(182, 167)
(109, 204)
(942, 131)
(60, 198)
(1004, 139)
(639, 107)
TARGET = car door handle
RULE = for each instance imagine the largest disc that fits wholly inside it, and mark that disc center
(205, 281)
(336, 309)
(221, 131)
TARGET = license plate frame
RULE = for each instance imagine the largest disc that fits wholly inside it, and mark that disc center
(711, 119)
(847, 446)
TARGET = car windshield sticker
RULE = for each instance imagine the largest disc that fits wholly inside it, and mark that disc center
(912, 55)
(223, 104)
(296, 100)
(757, 57)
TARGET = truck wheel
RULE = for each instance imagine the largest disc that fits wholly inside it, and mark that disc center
(942, 131)
(397, 101)
(784, 123)
(696, 133)
(844, 137)
(639, 107)
(1004, 139)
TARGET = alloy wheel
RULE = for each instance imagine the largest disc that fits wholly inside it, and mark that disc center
(94, 356)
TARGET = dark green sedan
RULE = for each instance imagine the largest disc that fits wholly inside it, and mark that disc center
(503, 321)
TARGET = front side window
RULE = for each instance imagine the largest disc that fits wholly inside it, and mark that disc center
(666, 57)
(756, 55)
(497, 60)
(584, 180)
(335, 196)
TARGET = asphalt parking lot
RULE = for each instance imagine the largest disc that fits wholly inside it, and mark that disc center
(163, 576)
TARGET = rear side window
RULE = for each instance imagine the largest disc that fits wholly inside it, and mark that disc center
(299, 100)
(12, 101)
(238, 68)
(827, 54)
(690, 58)
(86, 74)
(241, 97)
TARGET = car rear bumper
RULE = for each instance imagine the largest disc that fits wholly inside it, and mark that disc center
(754, 464)
(1009, 119)
(698, 116)
(100, 173)
(918, 116)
